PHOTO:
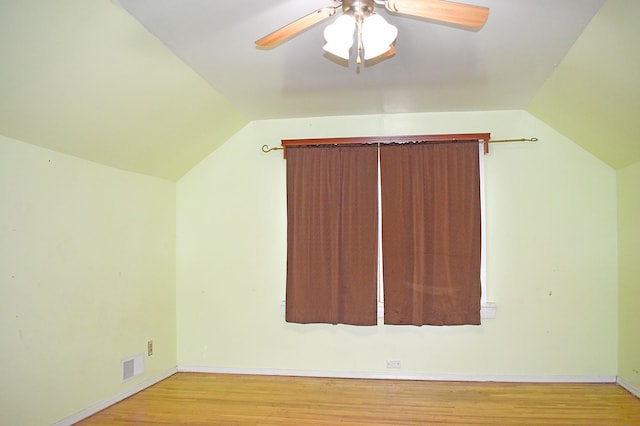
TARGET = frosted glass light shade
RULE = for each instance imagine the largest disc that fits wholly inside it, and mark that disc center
(339, 36)
(377, 36)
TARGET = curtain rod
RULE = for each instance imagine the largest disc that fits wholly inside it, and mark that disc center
(266, 148)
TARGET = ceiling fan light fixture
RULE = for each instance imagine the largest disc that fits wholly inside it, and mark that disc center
(377, 36)
(339, 36)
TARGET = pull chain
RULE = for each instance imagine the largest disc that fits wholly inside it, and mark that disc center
(359, 21)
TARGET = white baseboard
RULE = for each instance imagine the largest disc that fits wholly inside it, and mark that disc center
(81, 415)
(634, 390)
(395, 376)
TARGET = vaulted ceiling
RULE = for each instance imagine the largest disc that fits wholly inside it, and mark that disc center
(155, 86)
(593, 96)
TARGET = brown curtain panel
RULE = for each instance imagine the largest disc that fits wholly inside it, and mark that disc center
(431, 235)
(332, 213)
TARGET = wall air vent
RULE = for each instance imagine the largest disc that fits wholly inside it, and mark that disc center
(132, 367)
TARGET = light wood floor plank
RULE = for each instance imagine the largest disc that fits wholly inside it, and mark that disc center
(220, 399)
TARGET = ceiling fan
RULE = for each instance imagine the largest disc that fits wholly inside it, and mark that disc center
(374, 35)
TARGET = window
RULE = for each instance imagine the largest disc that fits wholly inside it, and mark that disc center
(430, 232)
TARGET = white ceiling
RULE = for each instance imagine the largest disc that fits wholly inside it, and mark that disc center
(154, 86)
(436, 67)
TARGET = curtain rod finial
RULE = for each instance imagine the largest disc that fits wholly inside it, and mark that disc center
(265, 148)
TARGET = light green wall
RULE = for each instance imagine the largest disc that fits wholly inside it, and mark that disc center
(88, 261)
(87, 276)
(629, 248)
(552, 268)
(592, 94)
(75, 71)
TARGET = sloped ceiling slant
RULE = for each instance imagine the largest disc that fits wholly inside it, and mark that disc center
(593, 97)
(84, 78)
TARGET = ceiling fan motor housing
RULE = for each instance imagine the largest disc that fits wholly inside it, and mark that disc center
(358, 7)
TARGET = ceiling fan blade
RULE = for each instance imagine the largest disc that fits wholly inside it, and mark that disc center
(466, 15)
(296, 27)
(388, 53)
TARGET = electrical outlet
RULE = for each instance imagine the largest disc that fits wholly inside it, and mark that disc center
(150, 348)
(393, 363)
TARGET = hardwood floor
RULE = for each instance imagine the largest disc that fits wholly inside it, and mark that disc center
(220, 399)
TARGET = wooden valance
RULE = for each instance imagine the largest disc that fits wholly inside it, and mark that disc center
(446, 138)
